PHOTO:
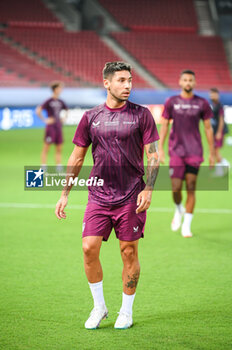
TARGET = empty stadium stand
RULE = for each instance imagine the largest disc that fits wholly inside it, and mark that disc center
(161, 36)
(24, 69)
(166, 55)
(11, 79)
(27, 13)
(165, 15)
(82, 54)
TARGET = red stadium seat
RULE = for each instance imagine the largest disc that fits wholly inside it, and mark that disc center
(146, 15)
(166, 55)
(83, 54)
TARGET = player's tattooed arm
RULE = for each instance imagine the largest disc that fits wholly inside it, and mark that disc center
(152, 164)
(144, 197)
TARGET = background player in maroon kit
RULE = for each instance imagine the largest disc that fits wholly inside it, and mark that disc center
(219, 130)
(53, 132)
(119, 131)
(185, 148)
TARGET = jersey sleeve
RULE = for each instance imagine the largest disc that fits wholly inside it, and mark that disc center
(64, 106)
(148, 128)
(45, 105)
(221, 111)
(82, 137)
(206, 111)
(167, 110)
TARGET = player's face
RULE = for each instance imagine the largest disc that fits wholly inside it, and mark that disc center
(214, 96)
(187, 82)
(119, 85)
(58, 90)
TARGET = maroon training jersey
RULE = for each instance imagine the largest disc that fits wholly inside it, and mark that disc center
(54, 106)
(185, 138)
(118, 137)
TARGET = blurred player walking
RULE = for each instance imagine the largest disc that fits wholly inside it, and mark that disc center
(185, 147)
(53, 131)
(119, 131)
(219, 129)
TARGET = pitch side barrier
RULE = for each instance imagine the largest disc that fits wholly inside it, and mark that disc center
(17, 106)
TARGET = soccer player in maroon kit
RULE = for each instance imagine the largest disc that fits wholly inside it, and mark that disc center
(53, 132)
(185, 148)
(219, 130)
(119, 132)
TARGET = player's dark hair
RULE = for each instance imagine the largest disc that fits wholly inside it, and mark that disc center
(55, 84)
(213, 89)
(116, 66)
(187, 71)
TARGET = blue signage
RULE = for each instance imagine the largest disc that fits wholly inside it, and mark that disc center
(19, 118)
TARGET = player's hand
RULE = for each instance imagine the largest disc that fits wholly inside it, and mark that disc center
(211, 160)
(218, 136)
(61, 204)
(143, 200)
(161, 155)
(50, 121)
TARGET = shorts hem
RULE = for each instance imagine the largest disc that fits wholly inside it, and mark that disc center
(132, 238)
(95, 235)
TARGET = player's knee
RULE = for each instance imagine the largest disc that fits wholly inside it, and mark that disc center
(176, 188)
(89, 250)
(191, 186)
(129, 253)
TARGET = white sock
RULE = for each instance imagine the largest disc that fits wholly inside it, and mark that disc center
(179, 208)
(97, 293)
(187, 220)
(127, 303)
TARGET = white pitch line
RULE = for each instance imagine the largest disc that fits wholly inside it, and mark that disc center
(82, 207)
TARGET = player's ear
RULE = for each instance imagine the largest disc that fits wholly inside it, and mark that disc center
(106, 83)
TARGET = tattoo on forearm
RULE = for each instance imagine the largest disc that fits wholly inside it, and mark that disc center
(153, 148)
(152, 165)
(133, 280)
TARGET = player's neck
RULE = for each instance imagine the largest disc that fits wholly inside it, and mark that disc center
(114, 104)
(186, 94)
(55, 96)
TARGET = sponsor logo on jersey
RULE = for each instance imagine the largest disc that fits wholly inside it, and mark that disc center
(185, 106)
(109, 123)
(95, 125)
(126, 122)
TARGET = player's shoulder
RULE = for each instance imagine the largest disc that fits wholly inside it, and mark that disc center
(200, 98)
(46, 102)
(172, 99)
(93, 112)
(136, 107)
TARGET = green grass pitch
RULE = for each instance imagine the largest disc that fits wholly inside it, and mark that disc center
(184, 296)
